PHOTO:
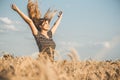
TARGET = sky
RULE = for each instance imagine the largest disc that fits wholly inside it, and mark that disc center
(90, 27)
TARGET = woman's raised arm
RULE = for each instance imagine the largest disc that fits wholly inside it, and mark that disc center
(56, 24)
(26, 19)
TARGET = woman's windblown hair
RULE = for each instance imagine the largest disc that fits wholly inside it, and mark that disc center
(35, 13)
(50, 14)
(33, 9)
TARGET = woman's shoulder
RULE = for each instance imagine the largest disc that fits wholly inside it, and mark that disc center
(38, 34)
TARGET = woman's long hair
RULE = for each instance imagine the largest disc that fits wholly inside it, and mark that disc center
(35, 14)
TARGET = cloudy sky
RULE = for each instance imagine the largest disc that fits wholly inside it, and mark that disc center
(91, 27)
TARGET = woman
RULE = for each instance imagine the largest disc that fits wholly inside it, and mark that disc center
(40, 27)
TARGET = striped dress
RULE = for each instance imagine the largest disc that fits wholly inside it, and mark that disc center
(45, 44)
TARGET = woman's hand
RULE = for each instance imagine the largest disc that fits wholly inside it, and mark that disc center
(60, 14)
(14, 7)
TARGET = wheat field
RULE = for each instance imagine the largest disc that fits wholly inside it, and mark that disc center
(40, 68)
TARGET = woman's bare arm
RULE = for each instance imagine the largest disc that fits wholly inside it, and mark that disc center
(26, 19)
(56, 24)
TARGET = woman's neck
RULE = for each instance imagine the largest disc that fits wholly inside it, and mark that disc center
(44, 33)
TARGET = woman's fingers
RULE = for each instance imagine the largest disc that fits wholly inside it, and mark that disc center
(14, 7)
(60, 13)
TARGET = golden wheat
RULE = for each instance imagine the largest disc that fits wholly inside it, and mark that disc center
(27, 68)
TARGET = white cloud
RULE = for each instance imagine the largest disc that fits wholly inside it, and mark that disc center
(8, 24)
(65, 46)
(17, 22)
(104, 47)
(10, 27)
(105, 44)
(108, 45)
(7, 27)
(69, 44)
(1, 30)
(6, 20)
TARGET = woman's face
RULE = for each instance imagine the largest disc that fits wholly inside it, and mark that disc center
(45, 26)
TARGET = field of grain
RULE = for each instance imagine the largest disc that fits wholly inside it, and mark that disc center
(28, 68)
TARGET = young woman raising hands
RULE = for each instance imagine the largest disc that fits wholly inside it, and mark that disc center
(40, 27)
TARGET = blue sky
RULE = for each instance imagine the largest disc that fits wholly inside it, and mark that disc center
(91, 27)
